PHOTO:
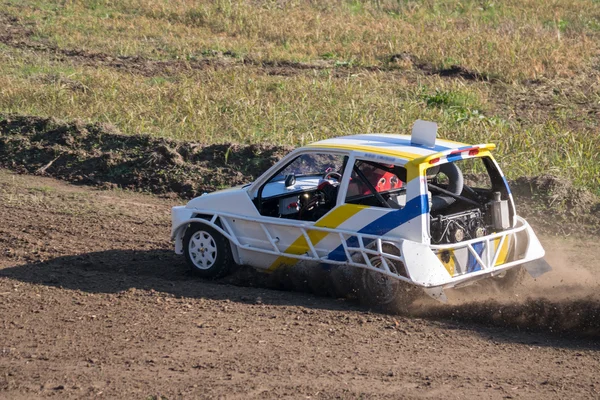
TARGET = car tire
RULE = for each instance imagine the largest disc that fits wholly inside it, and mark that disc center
(378, 290)
(510, 280)
(207, 252)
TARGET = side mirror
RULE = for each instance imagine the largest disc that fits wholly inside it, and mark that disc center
(290, 180)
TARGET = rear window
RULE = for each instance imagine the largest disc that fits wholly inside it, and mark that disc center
(474, 171)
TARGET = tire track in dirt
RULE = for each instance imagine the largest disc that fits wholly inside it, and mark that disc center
(551, 306)
(573, 317)
(564, 301)
(566, 310)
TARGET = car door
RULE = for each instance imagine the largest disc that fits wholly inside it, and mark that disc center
(298, 193)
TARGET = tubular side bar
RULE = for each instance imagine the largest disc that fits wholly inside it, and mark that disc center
(359, 256)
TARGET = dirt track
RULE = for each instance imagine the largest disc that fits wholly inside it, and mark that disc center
(94, 304)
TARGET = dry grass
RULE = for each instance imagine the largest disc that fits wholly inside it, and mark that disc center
(547, 126)
(240, 104)
(508, 39)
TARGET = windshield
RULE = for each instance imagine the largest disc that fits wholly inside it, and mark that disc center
(311, 165)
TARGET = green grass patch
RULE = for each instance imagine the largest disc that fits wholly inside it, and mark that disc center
(511, 40)
(541, 108)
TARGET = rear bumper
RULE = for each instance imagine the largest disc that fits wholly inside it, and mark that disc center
(457, 264)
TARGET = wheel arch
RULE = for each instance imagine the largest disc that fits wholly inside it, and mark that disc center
(204, 219)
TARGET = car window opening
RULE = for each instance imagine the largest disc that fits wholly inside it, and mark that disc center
(468, 200)
(304, 189)
(377, 185)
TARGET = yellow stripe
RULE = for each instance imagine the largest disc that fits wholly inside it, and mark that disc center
(369, 149)
(503, 251)
(450, 265)
(412, 172)
(332, 220)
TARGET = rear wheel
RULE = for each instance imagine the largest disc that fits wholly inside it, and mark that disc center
(377, 289)
(207, 252)
(508, 280)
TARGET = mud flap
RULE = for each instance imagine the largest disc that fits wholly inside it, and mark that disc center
(537, 268)
(422, 265)
(436, 293)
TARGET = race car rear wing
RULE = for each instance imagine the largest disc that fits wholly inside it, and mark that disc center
(454, 154)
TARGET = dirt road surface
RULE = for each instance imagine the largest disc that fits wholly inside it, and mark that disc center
(94, 304)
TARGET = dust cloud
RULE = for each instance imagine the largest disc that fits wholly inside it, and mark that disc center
(565, 300)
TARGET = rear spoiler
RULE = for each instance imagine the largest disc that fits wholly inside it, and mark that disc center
(453, 154)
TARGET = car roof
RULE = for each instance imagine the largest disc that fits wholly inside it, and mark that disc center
(399, 146)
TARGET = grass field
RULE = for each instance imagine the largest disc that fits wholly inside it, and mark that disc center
(524, 74)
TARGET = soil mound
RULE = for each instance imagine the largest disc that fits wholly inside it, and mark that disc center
(97, 154)
(555, 205)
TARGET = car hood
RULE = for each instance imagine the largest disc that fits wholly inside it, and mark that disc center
(232, 200)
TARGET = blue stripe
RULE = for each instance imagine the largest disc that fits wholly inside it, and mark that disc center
(472, 264)
(506, 184)
(454, 157)
(385, 223)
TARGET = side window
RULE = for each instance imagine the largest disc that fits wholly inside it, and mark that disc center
(304, 189)
(374, 183)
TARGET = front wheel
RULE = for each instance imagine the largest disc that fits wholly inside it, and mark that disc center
(207, 252)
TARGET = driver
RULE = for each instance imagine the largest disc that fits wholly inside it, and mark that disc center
(381, 179)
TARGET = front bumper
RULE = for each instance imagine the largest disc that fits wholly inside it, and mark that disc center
(180, 216)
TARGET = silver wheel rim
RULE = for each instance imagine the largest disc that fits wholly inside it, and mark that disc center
(202, 250)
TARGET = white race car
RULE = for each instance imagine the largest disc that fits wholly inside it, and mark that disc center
(405, 212)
